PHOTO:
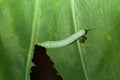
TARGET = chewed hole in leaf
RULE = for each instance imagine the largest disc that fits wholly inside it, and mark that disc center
(44, 69)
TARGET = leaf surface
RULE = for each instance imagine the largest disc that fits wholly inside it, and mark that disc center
(23, 23)
(96, 59)
(16, 39)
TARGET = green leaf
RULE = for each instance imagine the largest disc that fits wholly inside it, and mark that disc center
(23, 23)
(96, 59)
(17, 30)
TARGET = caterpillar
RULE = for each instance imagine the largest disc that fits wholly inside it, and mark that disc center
(65, 42)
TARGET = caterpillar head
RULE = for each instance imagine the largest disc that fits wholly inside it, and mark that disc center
(84, 38)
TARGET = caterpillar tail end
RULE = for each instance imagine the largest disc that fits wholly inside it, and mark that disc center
(39, 44)
(44, 44)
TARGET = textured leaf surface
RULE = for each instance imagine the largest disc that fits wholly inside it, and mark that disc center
(16, 21)
(96, 59)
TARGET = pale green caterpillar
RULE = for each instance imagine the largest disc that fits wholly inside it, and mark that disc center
(65, 42)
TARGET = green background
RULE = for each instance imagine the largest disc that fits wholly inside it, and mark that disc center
(23, 23)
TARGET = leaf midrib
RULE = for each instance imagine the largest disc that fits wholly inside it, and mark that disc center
(78, 44)
(33, 39)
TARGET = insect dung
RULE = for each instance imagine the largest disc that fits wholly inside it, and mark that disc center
(83, 39)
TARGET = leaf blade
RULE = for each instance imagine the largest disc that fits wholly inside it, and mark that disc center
(15, 32)
(90, 14)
